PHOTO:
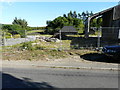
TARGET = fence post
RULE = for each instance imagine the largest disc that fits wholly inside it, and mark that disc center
(99, 34)
(4, 39)
(25, 35)
(60, 36)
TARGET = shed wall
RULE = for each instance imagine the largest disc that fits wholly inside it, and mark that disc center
(110, 33)
(107, 19)
(110, 29)
(116, 13)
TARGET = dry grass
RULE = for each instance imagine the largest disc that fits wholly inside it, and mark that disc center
(33, 31)
(14, 54)
(64, 44)
(51, 50)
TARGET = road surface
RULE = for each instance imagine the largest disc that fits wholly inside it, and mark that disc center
(58, 78)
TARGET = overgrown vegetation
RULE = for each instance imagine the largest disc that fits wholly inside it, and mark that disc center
(15, 53)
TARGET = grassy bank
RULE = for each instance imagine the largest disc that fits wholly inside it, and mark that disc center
(15, 54)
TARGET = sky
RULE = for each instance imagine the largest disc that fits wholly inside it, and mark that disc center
(37, 13)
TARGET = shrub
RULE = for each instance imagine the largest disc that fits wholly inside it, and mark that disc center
(39, 47)
(27, 46)
(75, 46)
(17, 36)
(8, 35)
(14, 29)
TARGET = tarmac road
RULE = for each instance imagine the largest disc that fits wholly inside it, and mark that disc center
(58, 78)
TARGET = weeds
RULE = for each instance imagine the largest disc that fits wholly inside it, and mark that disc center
(27, 46)
(41, 51)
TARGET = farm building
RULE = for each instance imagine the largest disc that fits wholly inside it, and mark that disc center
(69, 30)
(111, 23)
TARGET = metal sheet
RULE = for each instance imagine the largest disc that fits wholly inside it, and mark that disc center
(116, 14)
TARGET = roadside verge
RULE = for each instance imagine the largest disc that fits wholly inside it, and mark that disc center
(60, 64)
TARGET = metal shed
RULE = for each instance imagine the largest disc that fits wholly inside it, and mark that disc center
(111, 23)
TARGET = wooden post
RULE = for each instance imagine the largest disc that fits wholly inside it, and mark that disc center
(60, 39)
(88, 27)
(4, 39)
(99, 34)
(25, 35)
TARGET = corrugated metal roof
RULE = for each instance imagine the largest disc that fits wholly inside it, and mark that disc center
(68, 29)
(101, 13)
(116, 12)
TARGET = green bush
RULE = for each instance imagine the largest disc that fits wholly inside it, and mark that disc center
(75, 46)
(27, 46)
(39, 47)
(17, 36)
(8, 35)
(14, 29)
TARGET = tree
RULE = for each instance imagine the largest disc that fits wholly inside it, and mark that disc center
(64, 15)
(74, 14)
(79, 15)
(76, 22)
(91, 13)
(70, 19)
(48, 23)
(14, 29)
(55, 25)
(71, 14)
(83, 15)
(87, 14)
(96, 22)
(21, 22)
(99, 21)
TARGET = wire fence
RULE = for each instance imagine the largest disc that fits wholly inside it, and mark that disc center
(100, 37)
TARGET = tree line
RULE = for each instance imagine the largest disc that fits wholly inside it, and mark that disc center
(72, 19)
(18, 26)
(75, 19)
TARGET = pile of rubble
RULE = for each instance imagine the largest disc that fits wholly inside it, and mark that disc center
(47, 39)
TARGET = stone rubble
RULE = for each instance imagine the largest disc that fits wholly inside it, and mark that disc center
(47, 39)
